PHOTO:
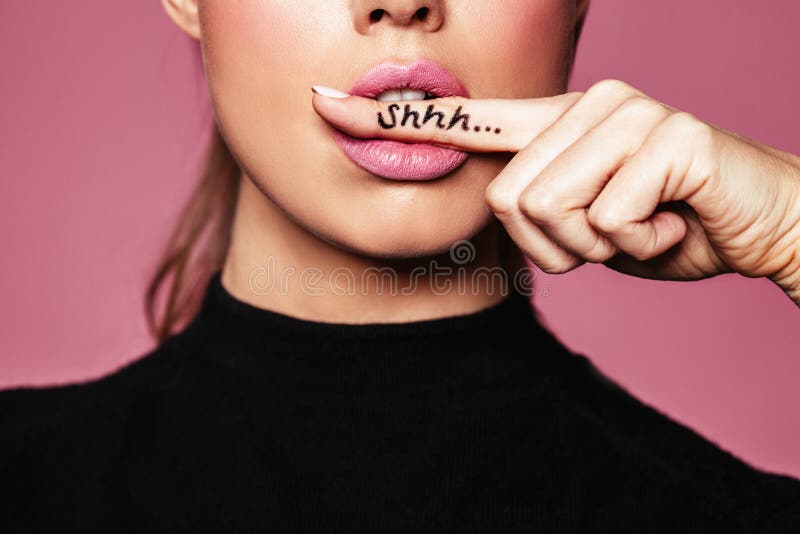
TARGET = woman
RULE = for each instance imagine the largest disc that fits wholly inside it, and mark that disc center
(364, 356)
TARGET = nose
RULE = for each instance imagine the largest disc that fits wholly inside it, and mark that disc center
(426, 14)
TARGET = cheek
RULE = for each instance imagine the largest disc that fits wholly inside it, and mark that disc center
(258, 55)
(522, 47)
(248, 49)
(260, 34)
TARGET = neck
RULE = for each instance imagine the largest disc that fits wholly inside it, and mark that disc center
(275, 264)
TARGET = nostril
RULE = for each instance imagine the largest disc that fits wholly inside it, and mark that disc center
(377, 14)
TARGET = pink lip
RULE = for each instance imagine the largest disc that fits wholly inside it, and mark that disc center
(394, 159)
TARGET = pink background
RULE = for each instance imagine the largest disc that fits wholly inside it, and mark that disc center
(103, 115)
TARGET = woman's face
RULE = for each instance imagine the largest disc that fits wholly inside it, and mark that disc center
(262, 56)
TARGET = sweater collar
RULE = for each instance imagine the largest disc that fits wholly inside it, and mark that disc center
(485, 357)
(515, 310)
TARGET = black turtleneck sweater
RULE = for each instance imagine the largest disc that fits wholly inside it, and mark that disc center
(253, 421)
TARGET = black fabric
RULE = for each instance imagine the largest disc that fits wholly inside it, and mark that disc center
(253, 421)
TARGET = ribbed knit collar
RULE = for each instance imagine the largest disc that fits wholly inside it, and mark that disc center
(453, 362)
(514, 310)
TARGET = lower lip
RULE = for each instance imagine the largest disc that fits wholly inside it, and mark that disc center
(400, 161)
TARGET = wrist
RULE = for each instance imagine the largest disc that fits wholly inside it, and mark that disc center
(792, 290)
(788, 278)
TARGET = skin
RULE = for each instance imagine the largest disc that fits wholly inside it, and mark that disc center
(591, 169)
(570, 177)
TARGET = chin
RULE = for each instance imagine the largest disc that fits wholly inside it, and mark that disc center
(417, 237)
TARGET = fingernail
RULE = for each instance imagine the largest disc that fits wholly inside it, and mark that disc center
(328, 91)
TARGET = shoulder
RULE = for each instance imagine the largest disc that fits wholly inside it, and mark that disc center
(152, 407)
(26, 407)
(671, 459)
(66, 448)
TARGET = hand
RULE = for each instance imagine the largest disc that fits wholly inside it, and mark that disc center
(615, 177)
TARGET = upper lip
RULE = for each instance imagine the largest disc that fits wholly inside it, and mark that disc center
(424, 75)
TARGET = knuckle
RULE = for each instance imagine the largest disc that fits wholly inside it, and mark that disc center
(688, 124)
(641, 107)
(611, 87)
(679, 123)
(538, 204)
(438, 136)
(450, 103)
(605, 222)
(556, 267)
(641, 254)
(500, 199)
(683, 120)
(702, 137)
(600, 251)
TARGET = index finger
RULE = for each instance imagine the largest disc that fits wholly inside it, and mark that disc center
(475, 125)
